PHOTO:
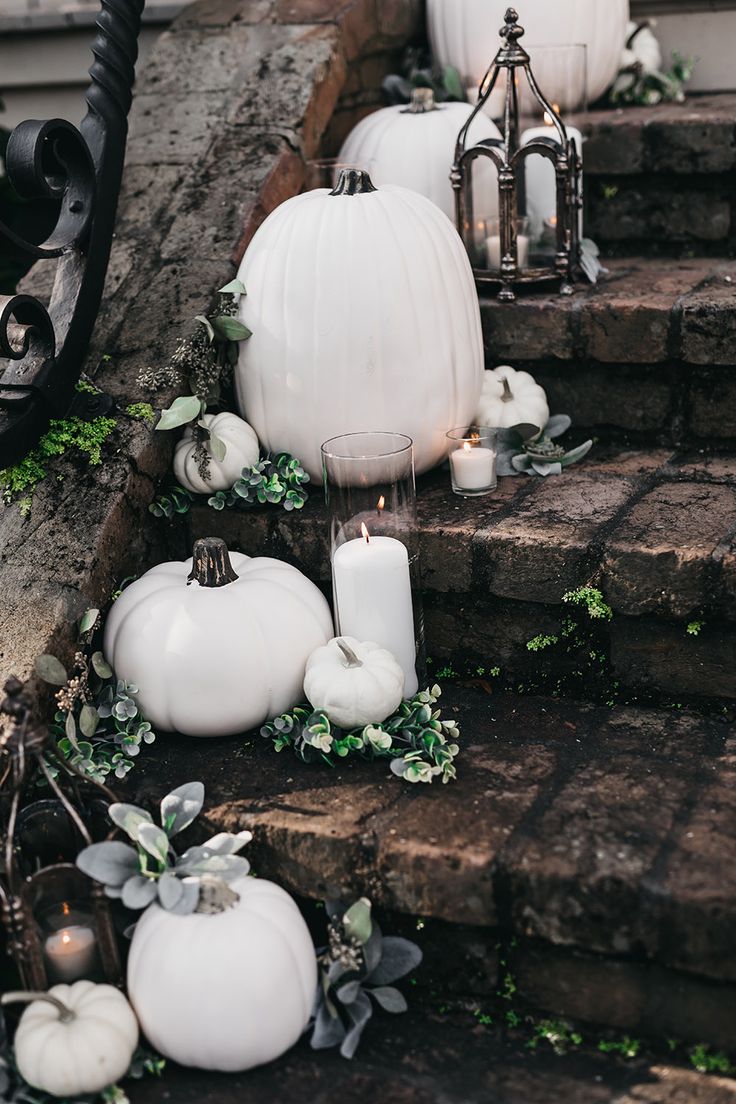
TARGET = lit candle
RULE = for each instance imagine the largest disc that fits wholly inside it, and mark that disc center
(541, 181)
(493, 252)
(373, 598)
(70, 953)
(472, 467)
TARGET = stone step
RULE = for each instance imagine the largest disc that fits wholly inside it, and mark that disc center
(590, 852)
(661, 179)
(654, 530)
(431, 1057)
(649, 352)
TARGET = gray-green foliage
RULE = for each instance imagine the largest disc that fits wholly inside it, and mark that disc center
(98, 726)
(357, 969)
(151, 869)
(275, 480)
(529, 449)
(418, 741)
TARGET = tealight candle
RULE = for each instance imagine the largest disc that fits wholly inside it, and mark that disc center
(493, 252)
(373, 598)
(70, 953)
(473, 460)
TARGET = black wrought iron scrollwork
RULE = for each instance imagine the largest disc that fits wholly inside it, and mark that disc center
(80, 170)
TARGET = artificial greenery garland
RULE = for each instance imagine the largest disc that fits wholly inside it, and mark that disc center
(275, 480)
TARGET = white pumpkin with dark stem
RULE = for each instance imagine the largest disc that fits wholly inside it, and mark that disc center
(218, 644)
(414, 146)
(511, 398)
(229, 987)
(364, 316)
(241, 451)
(354, 683)
(464, 34)
(74, 1039)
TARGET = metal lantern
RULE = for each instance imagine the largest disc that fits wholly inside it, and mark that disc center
(57, 921)
(509, 158)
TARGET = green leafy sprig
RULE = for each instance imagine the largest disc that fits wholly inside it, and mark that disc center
(356, 971)
(275, 480)
(419, 743)
(151, 870)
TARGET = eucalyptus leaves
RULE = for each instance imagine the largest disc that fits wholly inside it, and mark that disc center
(528, 449)
(275, 481)
(151, 870)
(419, 743)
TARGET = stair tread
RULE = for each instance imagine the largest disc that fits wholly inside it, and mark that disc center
(645, 311)
(428, 1058)
(583, 827)
(655, 527)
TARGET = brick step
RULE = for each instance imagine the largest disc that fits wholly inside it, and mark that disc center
(661, 179)
(432, 1057)
(654, 530)
(649, 352)
(598, 845)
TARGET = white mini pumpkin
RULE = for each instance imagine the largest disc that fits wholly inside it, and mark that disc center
(224, 654)
(415, 147)
(82, 1053)
(364, 316)
(242, 451)
(354, 683)
(228, 991)
(511, 398)
(465, 34)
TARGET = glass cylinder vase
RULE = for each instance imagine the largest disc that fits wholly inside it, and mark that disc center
(370, 492)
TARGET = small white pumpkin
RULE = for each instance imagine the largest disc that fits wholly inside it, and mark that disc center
(511, 398)
(241, 451)
(225, 991)
(642, 49)
(354, 683)
(75, 1039)
(224, 654)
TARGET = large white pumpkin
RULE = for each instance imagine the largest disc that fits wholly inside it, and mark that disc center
(364, 317)
(228, 991)
(415, 147)
(224, 654)
(465, 34)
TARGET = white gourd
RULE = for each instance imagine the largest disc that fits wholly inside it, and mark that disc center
(364, 317)
(642, 48)
(511, 398)
(415, 147)
(80, 1053)
(464, 34)
(242, 452)
(354, 683)
(224, 654)
(228, 991)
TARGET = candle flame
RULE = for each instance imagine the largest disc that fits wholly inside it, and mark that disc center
(65, 908)
(381, 503)
(65, 937)
(548, 120)
(365, 532)
(467, 447)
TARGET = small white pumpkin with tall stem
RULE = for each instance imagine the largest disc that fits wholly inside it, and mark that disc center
(511, 398)
(354, 683)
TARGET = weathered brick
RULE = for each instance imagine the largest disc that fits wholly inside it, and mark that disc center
(529, 329)
(649, 209)
(660, 556)
(696, 137)
(646, 652)
(709, 319)
(168, 129)
(713, 403)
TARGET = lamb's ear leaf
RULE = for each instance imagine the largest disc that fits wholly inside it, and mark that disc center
(170, 890)
(235, 287)
(189, 899)
(503, 461)
(521, 463)
(129, 818)
(527, 431)
(180, 807)
(182, 410)
(228, 843)
(101, 666)
(357, 921)
(328, 1030)
(139, 892)
(111, 862)
(88, 621)
(360, 1011)
(218, 448)
(154, 840)
(557, 425)
(576, 454)
(400, 957)
(50, 669)
(390, 999)
(542, 468)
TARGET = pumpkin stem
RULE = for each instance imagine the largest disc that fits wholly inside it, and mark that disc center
(211, 565)
(66, 1014)
(215, 895)
(507, 393)
(353, 182)
(422, 101)
(349, 654)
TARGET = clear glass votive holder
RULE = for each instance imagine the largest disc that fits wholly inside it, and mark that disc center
(473, 460)
(492, 246)
(370, 492)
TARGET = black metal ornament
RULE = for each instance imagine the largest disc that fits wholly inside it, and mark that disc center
(47, 809)
(509, 159)
(79, 169)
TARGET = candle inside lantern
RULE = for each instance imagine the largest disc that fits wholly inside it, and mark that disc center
(493, 252)
(71, 952)
(473, 460)
(541, 181)
(373, 598)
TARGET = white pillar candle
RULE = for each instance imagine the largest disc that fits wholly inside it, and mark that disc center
(472, 467)
(493, 252)
(70, 953)
(373, 598)
(541, 181)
